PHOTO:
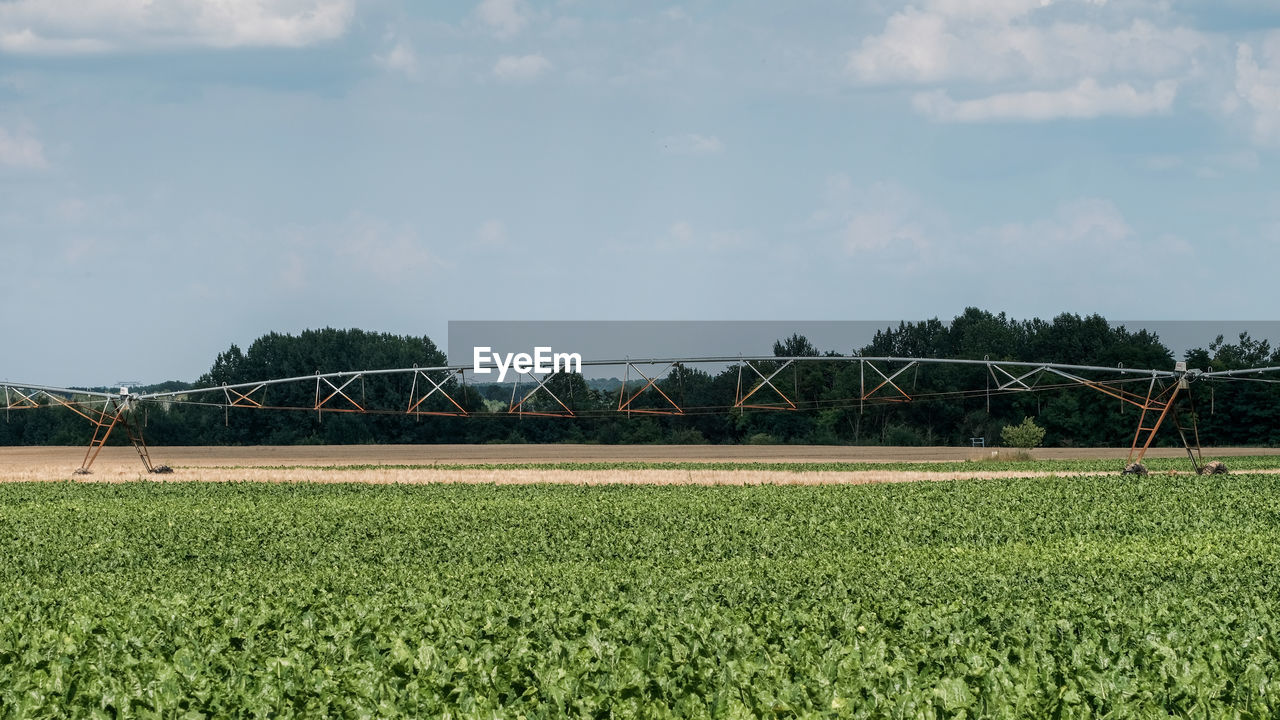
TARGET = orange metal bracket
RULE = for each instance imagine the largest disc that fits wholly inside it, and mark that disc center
(337, 392)
(1162, 402)
(23, 402)
(73, 407)
(415, 402)
(242, 399)
(517, 408)
(625, 405)
(741, 400)
(1013, 379)
(113, 413)
(887, 380)
(108, 417)
(1134, 399)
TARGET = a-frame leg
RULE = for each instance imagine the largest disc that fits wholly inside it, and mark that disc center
(112, 414)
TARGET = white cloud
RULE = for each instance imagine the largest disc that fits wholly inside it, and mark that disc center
(691, 144)
(1257, 87)
(400, 58)
(1002, 41)
(1208, 166)
(885, 228)
(676, 14)
(565, 28)
(681, 232)
(1049, 67)
(504, 18)
(991, 9)
(1087, 240)
(1073, 238)
(875, 230)
(20, 150)
(1086, 228)
(1243, 160)
(292, 274)
(880, 223)
(27, 42)
(492, 234)
(63, 27)
(389, 254)
(1087, 99)
(682, 236)
(521, 67)
(915, 47)
(1161, 162)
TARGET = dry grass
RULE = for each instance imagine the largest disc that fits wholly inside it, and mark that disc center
(115, 473)
(1004, 455)
(392, 475)
(488, 454)
(211, 464)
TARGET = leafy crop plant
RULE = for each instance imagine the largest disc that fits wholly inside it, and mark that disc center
(1048, 597)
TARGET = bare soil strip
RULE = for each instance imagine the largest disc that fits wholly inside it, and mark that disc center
(272, 464)
(513, 477)
(496, 454)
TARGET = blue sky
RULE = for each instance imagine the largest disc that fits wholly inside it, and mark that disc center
(178, 176)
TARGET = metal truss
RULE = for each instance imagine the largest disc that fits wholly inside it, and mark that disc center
(761, 385)
(517, 407)
(885, 380)
(627, 399)
(115, 412)
(332, 391)
(235, 398)
(740, 399)
(437, 387)
(103, 410)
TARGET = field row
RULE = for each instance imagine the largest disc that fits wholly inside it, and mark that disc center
(1021, 598)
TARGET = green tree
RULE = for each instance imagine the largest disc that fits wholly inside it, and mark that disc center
(1025, 435)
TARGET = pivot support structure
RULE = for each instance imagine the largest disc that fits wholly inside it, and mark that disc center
(763, 383)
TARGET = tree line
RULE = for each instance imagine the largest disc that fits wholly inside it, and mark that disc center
(949, 404)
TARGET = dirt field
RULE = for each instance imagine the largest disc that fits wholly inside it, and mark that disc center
(117, 464)
(484, 454)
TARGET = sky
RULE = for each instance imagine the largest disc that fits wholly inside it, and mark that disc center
(177, 176)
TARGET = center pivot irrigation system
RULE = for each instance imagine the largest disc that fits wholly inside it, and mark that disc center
(438, 391)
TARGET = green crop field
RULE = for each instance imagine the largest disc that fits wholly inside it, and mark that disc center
(1082, 597)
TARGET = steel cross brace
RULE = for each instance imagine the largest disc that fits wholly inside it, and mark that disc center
(23, 402)
(888, 380)
(72, 407)
(337, 390)
(1123, 395)
(1197, 459)
(625, 405)
(103, 425)
(742, 399)
(517, 408)
(415, 402)
(242, 399)
(1018, 380)
(1163, 401)
(113, 413)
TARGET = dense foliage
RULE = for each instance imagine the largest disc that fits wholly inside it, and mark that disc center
(1026, 434)
(1228, 413)
(1036, 598)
